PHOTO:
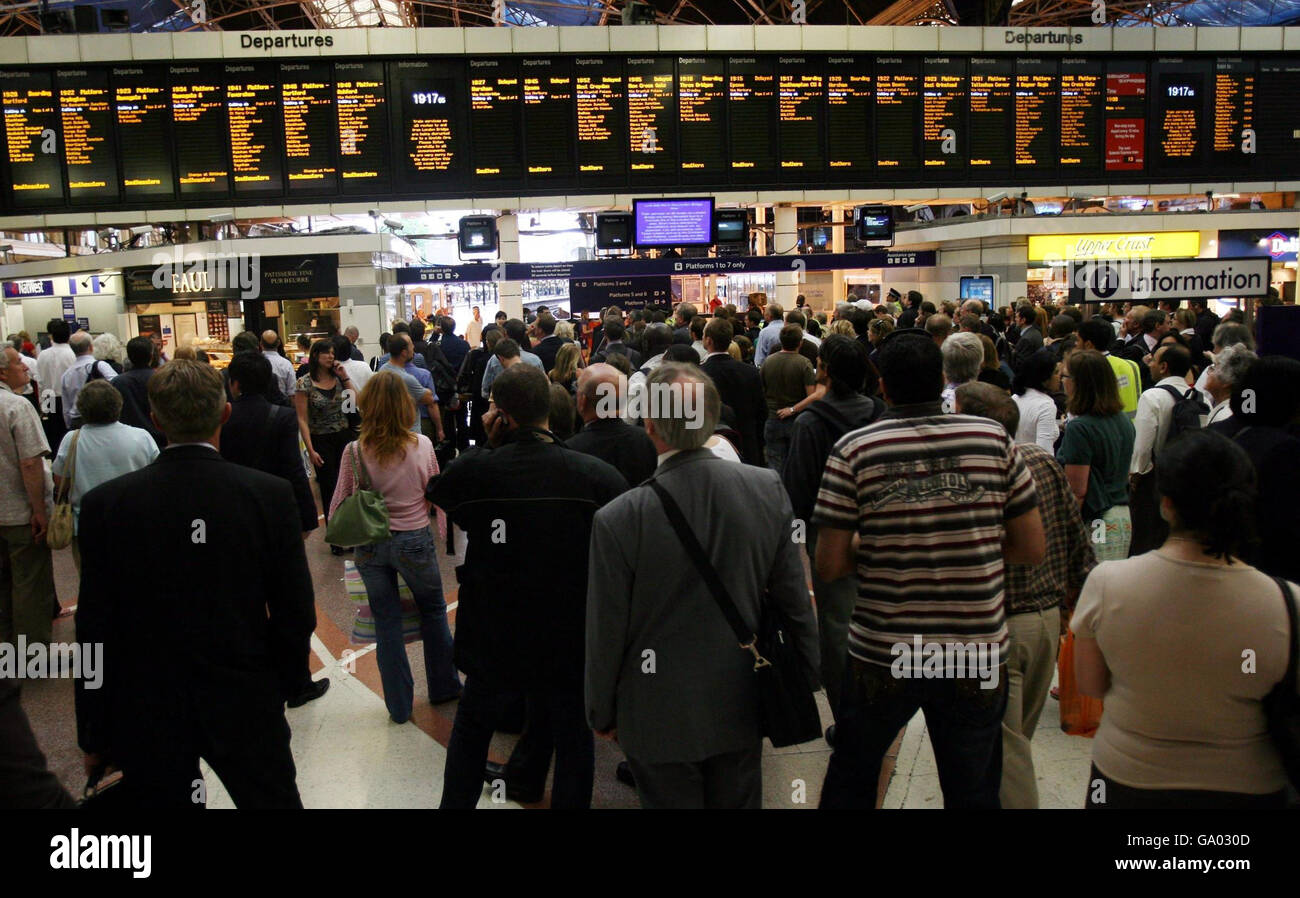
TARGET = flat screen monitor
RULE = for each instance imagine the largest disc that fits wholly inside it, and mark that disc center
(614, 230)
(731, 226)
(976, 286)
(673, 222)
(478, 234)
(876, 225)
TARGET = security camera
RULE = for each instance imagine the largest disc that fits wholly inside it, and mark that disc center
(222, 216)
(393, 225)
(997, 197)
(375, 213)
(916, 207)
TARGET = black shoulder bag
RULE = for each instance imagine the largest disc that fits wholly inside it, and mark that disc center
(787, 711)
(1282, 704)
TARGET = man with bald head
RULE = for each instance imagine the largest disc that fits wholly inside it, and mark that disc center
(281, 368)
(76, 376)
(602, 394)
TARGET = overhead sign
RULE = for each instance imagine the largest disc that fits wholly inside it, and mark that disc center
(1085, 247)
(594, 294)
(1150, 282)
(625, 268)
(19, 289)
(234, 278)
(1280, 246)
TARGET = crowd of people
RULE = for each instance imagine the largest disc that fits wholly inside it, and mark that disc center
(966, 487)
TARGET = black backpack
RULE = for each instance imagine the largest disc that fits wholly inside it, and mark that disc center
(1189, 410)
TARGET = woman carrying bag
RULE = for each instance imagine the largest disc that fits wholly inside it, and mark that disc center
(322, 422)
(391, 462)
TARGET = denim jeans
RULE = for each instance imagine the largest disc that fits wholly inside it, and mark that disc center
(560, 711)
(776, 439)
(411, 554)
(964, 721)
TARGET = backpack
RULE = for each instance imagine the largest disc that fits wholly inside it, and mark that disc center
(1189, 410)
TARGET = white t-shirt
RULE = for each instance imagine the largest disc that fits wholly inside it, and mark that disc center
(1037, 419)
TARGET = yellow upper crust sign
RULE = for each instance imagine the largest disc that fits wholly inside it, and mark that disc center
(1084, 247)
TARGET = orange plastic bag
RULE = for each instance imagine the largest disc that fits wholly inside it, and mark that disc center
(1080, 715)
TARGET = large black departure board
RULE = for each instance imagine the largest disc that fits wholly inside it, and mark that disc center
(31, 119)
(138, 135)
(89, 151)
(201, 130)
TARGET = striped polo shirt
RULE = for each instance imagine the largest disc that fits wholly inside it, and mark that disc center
(928, 494)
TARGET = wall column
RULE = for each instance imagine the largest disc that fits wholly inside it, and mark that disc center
(786, 242)
(510, 294)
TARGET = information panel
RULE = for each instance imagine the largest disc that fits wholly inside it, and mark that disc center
(495, 118)
(752, 111)
(652, 119)
(701, 110)
(86, 114)
(31, 113)
(1278, 133)
(429, 143)
(898, 109)
(849, 105)
(362, 103)
(549, 109)
(1126, 117)
(1083, 98)
(253, 104)
(801, 138)
(1234, 111)
(142, 115)
(601, 98)
(200, 131)
(1180, 111)
(307, 109)
(1037, 115)
(992, 114)
(945, 97)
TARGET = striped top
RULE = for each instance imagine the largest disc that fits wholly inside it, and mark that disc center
(927, 494)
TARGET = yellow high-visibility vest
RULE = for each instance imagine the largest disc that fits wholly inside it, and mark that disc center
(1129, 379)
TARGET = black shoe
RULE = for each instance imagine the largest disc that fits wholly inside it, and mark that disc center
(311, 693)
(493, 773)
(623, 773)
(337, 550)
(447, 698)
(830, 735)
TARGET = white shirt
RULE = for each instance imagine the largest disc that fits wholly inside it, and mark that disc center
(104, 452)
(359, 374)
(75, 378)
(718, 445)
(52, 364)
(1201, 383)
(31, 372)
(1152, 422)
(698, 346)
(636, 386)
(283, 371)
(1220, 411)
(1037, 419)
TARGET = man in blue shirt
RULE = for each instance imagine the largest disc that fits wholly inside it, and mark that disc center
(515, 331)
(769, 338)
(419, 383)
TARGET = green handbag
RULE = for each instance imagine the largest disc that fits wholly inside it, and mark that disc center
(361, 518)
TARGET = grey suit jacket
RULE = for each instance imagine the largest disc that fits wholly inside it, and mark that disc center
(644, 595)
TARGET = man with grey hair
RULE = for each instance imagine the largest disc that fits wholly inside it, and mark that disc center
(963, 354)
(354, 337)
(1229, 369)
(1226, 334)
(690, 730)
(200, 663)
(843, 310)
(83, 346)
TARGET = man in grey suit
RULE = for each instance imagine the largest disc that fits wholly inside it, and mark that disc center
(665, 676)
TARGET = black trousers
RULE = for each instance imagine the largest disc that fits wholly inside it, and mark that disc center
(54, 425)
(1149, 529)
(732, 780)
(329, 446)
(1105, 793)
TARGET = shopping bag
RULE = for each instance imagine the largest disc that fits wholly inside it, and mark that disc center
(363, 624)
(1080, 715)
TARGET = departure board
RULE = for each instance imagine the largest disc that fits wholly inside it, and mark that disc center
(362, 107)
(652, 119)
(1037, 105)
(253, 105)
(428, 139)
(898, 109)
(944, 90)
(801, 88)
(752, 116)
(549, 109)
(31, 113)
(1234, 109)
(142, 114)
(1278, 133)
(992, 114)
(200, 131)
(1124, 124)
(307, 109)
(701, 112)
(1083, 98)
(89, 153)
(1180, 112)
(849, 103)
(495, 101)
(601, 101)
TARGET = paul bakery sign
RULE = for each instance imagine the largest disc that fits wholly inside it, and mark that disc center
(1087, 247)
(234, 279)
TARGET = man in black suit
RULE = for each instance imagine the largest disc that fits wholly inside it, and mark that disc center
(682, 333)
(602, 390)
(549, 344)
(200, 655)
(614, 345)
(740, 386)
(133, 384)
(1031, 338)
(1151, 325)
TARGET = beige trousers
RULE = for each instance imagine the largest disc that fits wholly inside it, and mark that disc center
(1035, 638)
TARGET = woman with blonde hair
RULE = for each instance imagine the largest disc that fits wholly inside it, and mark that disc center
(564, 330)
(565, 372)
(842, 326)
(396, 462)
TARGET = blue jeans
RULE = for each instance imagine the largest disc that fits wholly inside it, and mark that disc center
(776, 439)
(411, 554)
(964, 721)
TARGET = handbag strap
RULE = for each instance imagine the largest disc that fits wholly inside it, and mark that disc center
(1293, 635)
(65, 488)
(717, 588)
(358, 460)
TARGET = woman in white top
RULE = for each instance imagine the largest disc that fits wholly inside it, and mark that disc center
(1161, 637)
(1039, 376)
(105, 448)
